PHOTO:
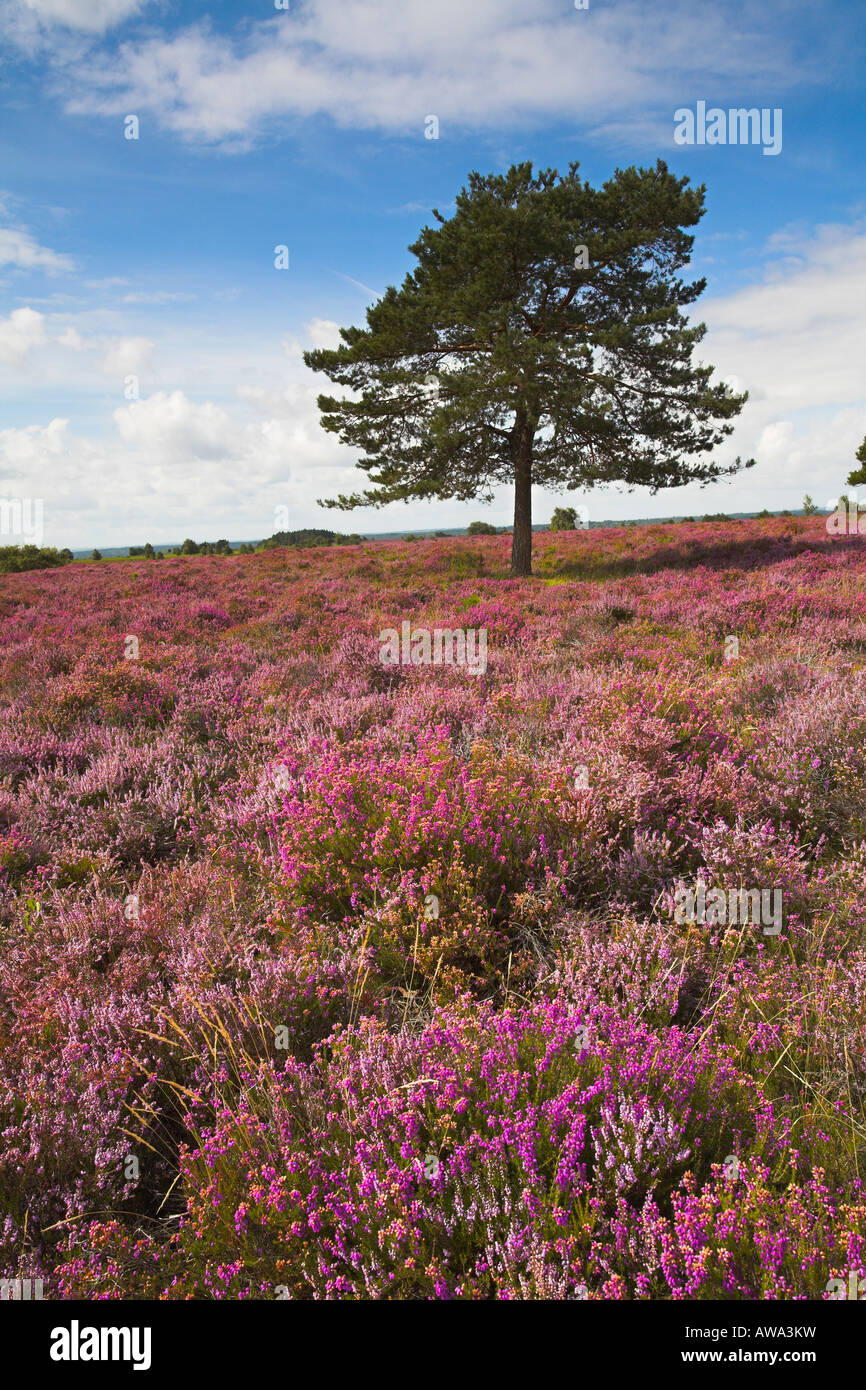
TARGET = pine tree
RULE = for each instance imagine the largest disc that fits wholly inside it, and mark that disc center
(540, 341)
(858, 475)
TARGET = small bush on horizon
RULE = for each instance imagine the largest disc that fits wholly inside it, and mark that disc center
(564, 519)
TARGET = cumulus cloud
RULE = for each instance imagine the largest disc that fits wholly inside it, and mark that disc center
(810, 455)
(323, 333)
(127, 357)
(173, 468)
(175, 429)
(26, 329)
(794, 341)
(22, 331)
(23, 452)
(796, 338)
(81, 484)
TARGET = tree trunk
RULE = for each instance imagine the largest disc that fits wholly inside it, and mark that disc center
(521, 540)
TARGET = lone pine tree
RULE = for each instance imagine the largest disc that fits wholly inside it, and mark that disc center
(540, 341)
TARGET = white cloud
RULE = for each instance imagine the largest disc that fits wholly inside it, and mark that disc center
(78, 482)
(775, 441)
(794, 342)
(176, 430)
(26, 329)
(108, 283)
(24, 452)
(796, 339)
(285, 404)
(71, 338)
(94, 16)
(128, 357)
(22, 331)
(175, 468)
(323, 333)
(18, 248)
(157, 297)
(813, 455)
(387, 64)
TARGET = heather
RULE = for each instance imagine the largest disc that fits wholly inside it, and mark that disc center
(323, 978)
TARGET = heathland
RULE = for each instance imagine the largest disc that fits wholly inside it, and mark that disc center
(329, 977)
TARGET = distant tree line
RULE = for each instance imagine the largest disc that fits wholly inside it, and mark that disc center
(14, 558)
(299, 539)
(189, 547)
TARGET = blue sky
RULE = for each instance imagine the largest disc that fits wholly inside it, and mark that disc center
(153, 258)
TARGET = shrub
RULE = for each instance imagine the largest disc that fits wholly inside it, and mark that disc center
(16, 558)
